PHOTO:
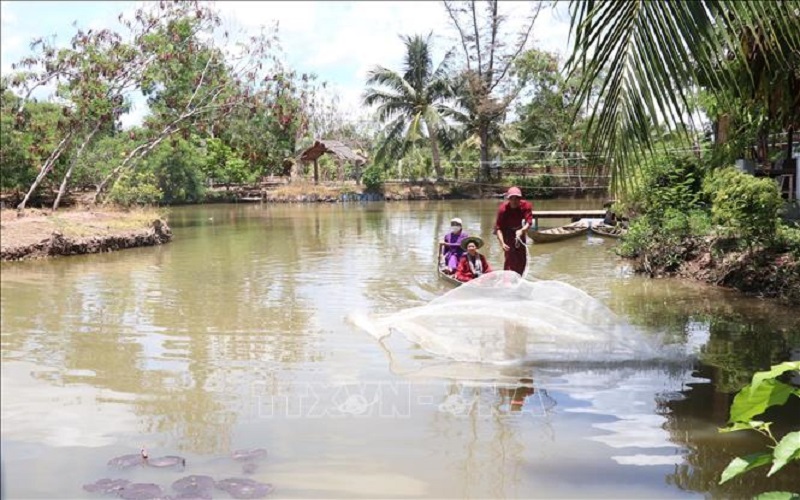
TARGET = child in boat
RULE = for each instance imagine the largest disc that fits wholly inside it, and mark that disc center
(473, 264)
(451, 246)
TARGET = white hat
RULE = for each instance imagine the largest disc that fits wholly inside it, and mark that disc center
(456, 220)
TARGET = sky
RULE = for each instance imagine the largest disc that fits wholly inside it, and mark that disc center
(338, 41)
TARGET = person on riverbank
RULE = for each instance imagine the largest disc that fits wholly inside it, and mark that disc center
(473, 264)
(514, 217)
(451, 246)
(610, 217)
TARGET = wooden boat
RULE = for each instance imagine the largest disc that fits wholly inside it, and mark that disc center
(560, 233)
(609, 231)
(450, 278)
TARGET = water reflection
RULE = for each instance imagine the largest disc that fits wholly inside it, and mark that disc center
(188, 348)
(693, 420)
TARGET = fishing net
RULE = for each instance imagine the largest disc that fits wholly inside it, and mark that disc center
(502, 318)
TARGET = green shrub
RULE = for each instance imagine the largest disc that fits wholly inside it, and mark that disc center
(640, 233)
(135, 188)
(177, 168)
(373, 177)
(743, 205)
(788, 239)
(664, 238)
(668, 181)
(699, 222)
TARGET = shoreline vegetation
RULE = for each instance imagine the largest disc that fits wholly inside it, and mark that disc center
(758, 272)
(494, 112)
(39, 233)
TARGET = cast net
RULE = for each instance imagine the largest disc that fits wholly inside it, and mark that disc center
(501, 318)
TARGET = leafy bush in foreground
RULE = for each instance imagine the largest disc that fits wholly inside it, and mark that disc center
(763, 392)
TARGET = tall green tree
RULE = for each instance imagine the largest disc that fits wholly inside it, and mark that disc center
(548, 118)
(92, 75)
(267, 128)
(29, 135)
(413, 103)
(186, 77)
(488, 81)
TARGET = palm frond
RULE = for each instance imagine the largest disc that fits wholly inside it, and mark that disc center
(442, 72)
(393, 80)
(394, 144)
(374, 96)
(650, 54)
(418, 65)
(389, 110)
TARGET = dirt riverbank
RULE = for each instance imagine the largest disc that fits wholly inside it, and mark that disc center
(39, 233)
(758, 272)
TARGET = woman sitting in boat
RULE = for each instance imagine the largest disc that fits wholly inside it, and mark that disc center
(451, 247)
(473, 264)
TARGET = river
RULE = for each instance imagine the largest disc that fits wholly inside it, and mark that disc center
(235, 336)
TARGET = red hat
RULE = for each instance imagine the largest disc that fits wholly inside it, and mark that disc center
(513, 191)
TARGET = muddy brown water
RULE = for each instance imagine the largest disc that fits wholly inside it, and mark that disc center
(234, 336)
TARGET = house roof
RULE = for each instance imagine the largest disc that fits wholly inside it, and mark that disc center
(336, 148)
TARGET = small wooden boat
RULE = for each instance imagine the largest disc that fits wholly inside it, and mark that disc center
(450, 278)
(560, 233)
(609, 231)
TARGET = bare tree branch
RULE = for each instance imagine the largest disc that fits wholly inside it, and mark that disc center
(477, 39)
(63, 187)
(461, 35)
(493, 43)
(46, 167)
(521, 47)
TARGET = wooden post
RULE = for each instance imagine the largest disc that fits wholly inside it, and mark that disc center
(316, 171)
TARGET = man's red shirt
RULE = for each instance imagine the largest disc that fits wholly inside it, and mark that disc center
(510, 219)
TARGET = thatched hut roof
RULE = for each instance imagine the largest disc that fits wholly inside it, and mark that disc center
(336, 148)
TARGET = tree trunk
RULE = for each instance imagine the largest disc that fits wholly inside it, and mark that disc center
(723, 124)
(63, 188)
(46, 167)
(789, 146)
(437, 161)
(763, 150)
(316, 171)
(484, 135)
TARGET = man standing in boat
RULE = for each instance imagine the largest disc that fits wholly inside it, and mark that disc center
(514, 217)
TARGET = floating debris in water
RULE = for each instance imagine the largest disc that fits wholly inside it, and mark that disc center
(244, 488)
(106, 485)
(141, 491)
(127, 461)
(249, 454)
(194, 486)
(249, 467)
(167, 461)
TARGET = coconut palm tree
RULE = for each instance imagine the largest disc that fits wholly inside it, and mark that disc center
(413, 103)
(655, 54)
